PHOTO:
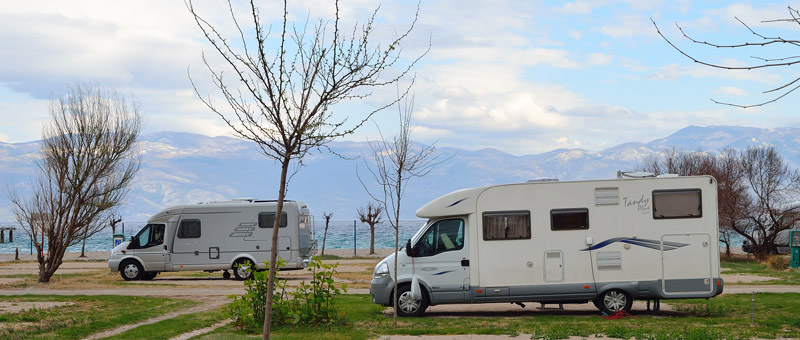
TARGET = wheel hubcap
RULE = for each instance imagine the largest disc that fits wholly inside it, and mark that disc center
(615, 301)
(407, 303)
(131, 270)
(243, 269)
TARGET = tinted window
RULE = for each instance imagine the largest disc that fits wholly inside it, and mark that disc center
(443, 236)
(684, 203)
(510, 225)
(267, 220)
(569, 219)
(189, 229)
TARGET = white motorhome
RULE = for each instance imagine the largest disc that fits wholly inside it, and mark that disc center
(605, 241)
(234, 235)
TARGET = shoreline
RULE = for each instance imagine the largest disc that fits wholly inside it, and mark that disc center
(344, 253)
(103, 255)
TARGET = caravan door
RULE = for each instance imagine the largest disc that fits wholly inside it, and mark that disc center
(441, 260)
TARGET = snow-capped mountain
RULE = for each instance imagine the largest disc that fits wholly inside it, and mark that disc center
(180, 168)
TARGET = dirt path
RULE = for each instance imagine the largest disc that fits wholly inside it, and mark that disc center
(206, 305)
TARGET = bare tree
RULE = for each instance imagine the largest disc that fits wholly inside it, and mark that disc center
(372, 216)
(88, 163)
(773, 207)
(284, 86)
(762, 41)
(396, 162)
(325, 234)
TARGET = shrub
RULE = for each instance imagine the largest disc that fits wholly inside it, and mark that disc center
(778, 262)
(311, 303)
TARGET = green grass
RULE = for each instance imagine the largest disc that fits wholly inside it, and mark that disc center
(776, 315)
(169, 328)
(751, 267)
(87, 315)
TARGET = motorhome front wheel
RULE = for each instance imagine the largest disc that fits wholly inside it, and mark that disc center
(131, 270)
(407, 305)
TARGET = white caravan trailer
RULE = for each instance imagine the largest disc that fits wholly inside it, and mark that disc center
(215, 236)
(606, 241)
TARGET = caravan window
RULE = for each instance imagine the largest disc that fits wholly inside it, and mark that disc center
(267, 220)
(442, 236)
(189, 229)
(683, 203)
(569, 219)
(506, 225)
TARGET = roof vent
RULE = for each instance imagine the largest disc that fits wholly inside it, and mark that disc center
(634, 174)
(537, 180)
(667, 176)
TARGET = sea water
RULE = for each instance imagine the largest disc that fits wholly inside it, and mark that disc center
(342, 234)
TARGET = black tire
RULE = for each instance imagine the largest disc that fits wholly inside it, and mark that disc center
(131, 270)
(613, 301)
(406, 306)
(226, 275)
(243, 269)
(149, 275)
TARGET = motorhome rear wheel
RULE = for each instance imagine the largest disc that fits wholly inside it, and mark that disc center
(243, 269)
(613, 301)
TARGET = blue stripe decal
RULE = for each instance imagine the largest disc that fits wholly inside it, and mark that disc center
(652, 244)
(457, 202)
(444, 272)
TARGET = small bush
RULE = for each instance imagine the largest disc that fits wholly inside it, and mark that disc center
(311, 303)
(778, 262)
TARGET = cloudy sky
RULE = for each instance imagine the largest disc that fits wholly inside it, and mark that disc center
(520, 76)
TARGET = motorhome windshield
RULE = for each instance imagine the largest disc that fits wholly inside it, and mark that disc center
(419, 232)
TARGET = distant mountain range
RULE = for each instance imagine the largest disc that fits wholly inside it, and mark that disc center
(181, 168)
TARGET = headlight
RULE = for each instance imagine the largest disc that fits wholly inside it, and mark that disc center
(381, 271)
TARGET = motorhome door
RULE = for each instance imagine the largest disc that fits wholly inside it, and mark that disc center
(149, 246)
(441, 259)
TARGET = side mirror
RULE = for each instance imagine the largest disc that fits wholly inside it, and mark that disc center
(409, 251)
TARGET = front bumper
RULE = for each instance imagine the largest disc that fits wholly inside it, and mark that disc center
(381, 290)
(113, 264)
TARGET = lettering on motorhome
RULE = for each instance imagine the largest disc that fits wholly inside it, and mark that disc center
(641, 204)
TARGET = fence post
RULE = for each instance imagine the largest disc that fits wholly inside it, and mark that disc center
(354, 238)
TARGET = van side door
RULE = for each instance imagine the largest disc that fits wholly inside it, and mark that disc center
(441, 259)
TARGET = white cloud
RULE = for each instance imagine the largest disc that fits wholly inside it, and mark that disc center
(675, 72)
(629, 26)
(731, 91)
(599, 59)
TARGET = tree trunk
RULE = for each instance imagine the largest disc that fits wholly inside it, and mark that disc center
(324, 236)
(273, 256)
(372, 239)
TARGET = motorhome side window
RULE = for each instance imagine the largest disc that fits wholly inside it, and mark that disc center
(189, 229)
(569, 219)
(506, 225)
(267, 220)
(683, 203)
(443, 236)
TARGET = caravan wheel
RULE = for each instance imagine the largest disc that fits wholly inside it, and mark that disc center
(407, 305)
(613, 301)
(243, 269)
